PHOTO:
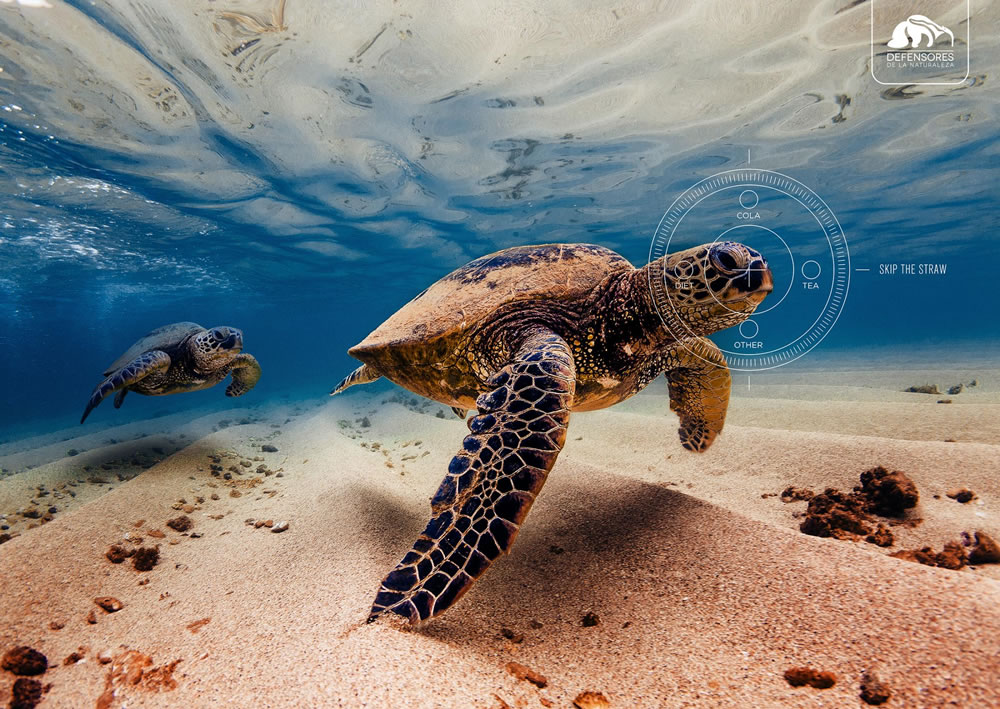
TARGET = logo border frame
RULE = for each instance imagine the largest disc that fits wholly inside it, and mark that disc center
(968, 54)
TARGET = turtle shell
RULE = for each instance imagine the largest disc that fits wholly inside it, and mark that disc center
(471, 294)
(161, 338)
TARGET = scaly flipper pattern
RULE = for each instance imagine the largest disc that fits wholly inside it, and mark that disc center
(246, 372)
(139, 368)
(361, 375)
(491, 482)
(699, 384)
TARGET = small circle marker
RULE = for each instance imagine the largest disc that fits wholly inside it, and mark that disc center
(748, 199)
(749, 329)
(811, 267)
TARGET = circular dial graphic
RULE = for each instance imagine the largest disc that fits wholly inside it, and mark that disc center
(799, 237)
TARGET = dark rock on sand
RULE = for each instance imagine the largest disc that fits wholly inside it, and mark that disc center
(923, 389)
(145, 558)
(109, 603)
(180, 524)
(795, 494)
(873, 690)
(951, 557)
(962, 495)
(117, 553)
(527, 674)
(23, 660)
(25, 694)
(889, 494)
(801, 676)
(985, 550)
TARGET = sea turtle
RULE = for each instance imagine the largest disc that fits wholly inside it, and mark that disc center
(527, 335)
(180, 357)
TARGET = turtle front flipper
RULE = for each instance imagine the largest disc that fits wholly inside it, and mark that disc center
(491, 482)
(139, 368)
(246, 372)
(699, 383)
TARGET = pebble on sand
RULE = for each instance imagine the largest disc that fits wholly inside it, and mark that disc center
(591, 700)
(109, 603)
(985, 551)
(180, 524)
(962, 495)
(801, 676)
(873, 690)
(279, 527)
(527, 674)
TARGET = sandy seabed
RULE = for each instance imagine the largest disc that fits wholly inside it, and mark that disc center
(704, 590)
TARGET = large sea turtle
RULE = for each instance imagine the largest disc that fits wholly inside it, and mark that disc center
(527, 335)
(180, 357)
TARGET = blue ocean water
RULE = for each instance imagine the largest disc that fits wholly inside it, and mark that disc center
(301, 170)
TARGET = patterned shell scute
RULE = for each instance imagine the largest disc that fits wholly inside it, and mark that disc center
(158, 339)
(472, 293)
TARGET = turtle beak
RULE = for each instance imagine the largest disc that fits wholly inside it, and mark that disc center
(234, 341)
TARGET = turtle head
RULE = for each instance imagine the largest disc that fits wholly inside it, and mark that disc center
(713, 286)
(215, 348)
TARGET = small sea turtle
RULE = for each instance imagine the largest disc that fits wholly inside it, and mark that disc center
(180, 357)
(527, 335)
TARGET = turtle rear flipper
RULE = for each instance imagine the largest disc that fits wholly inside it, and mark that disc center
(491, 482)
(120, 398)
(361, 375)
(139, 368)
(246, 372)
(699, 384)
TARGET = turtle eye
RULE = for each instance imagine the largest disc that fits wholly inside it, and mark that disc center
(725, 259)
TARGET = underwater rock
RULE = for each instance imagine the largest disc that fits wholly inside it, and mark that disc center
(109, 603)
(591, 700)
(117, 553)
(145, 558)
(957, 389)
(923, 389)
(794, 494)
(889, 494)
(25, 694)
(526, 674)
(590, 619)
(801, 676)
(873, 690)
(24, 660)
(75, 656)
(835, 514)
(268, 448)
(180, 524)
(848, 516)
(951, 557)
(511, 635)
(279, 527)
(962, 495)
(985, 551)
(882, 536)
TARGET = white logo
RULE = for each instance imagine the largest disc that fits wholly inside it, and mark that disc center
(914, 29)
